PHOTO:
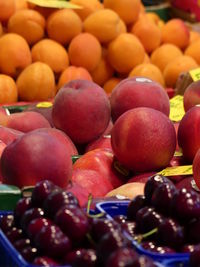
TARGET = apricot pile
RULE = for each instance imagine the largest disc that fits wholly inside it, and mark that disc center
(43, 48)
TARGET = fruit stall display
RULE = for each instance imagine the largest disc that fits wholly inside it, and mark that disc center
(99, 135)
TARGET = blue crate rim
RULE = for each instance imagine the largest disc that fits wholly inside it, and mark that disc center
(164, 258)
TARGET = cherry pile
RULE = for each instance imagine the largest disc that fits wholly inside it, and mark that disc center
(165, 219)
(50, 229)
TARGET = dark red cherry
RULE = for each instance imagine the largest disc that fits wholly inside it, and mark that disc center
(14, 234)
(193, 231)
(109, 243)
(130, 228)
(52, 241)
(22, 205)
(45, 261)
(29, 253)
(6, 222)
(136, 204)
(21, 243)
(56, 200)
(121, 219)
(40, 192)
(71, 255)
(100, 227)
(188, 248)
(163, 250)
(73, 221)
(86, 258)
(186, 205)
(162, 198)
(152, 183)
(171, 233)
(151, 219)
(30, 215)
(36, 225)
(122, 257)
(143, 261)
(195, 257)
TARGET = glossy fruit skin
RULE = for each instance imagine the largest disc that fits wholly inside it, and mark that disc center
(130, 228)
(73, 221)
(101, 227)
(36, 225)
(40, 192)
(125, 256)
(21, 243)
(71, 255)
(109, 243)
(152, 246)
(58, 243)
(86, 258)
(45, 261)
(152, 183)
(162, 198)
(195, 257)
(193, 231)
(186, 205)
(148, 220)
(6, 222)
(56, 200)
(136, 204)
(22, 205)
(171, 233)
(29, 253)
(30, 215)
(14, 234)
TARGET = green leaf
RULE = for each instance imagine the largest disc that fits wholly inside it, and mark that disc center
(54, 4)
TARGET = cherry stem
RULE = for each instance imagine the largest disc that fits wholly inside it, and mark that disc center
(89, 203)
(141, 237)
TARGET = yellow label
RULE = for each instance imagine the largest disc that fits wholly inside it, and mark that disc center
(195, 74)
(54, 4)
(44, 105)
(178, 154)
(176, 108)
(177, 170)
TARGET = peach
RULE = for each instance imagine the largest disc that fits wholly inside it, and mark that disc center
(102, 161)
(24, 121)
(188, 133)
(7, 135)
(129, 190)
(62, 137)
(102, 142)
(80, 192)
(191, 95)
(82, 110)
(143, 139)
(33, 157)
(94, 182)
(138, 92)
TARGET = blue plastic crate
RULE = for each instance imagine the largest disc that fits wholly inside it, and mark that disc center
(113, 208)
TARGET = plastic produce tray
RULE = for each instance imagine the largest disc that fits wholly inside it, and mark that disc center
(113, 208)
(10, 257)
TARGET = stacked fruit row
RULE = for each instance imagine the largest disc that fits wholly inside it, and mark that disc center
(104, 42)
(51, 229)
(165, 219)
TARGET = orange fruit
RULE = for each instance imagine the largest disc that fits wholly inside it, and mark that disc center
(51, 53)
(164, 54)
(193, 51)
(88, 7)
(73, 73)
(8, 90)
(148, 33)
(63, 25)
(148, 70)
(36, 82)
(110, 84)
(128, 10)
(21, 4)
(15, 54)
(125, 52)
(28, 23)
(176, 67)
(85, 51)
(104, 24)
(194, 36)
(176, 32)
(7, 8)
(153, 17)
(1, 29)
(146, 58)
(102, 72)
